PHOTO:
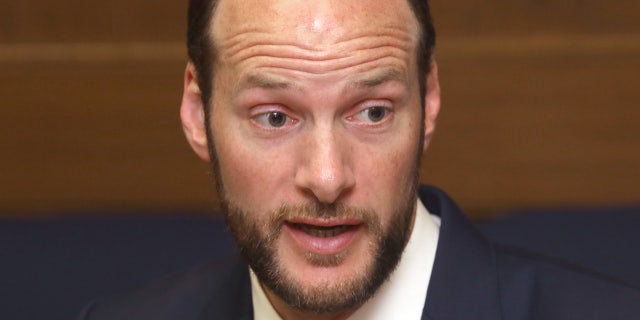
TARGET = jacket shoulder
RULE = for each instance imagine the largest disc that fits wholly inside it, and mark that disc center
(184, 295)
(539, 287)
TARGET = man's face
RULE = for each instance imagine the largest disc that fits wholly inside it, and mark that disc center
(316, 126)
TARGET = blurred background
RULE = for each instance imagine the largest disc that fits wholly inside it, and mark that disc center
(540, 107)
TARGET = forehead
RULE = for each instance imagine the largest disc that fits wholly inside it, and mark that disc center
(314, 24)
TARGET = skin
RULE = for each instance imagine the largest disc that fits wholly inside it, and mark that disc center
(325, 68)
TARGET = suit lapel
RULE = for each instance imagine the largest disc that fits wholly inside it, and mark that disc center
(233, 299)
(463, 282)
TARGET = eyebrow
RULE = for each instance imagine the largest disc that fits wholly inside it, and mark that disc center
(265, 82)
(386, 75)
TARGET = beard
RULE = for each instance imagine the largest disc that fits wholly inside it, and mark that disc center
(256, 240)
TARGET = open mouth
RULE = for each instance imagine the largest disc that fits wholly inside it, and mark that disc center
(323, 231)
(323, 237)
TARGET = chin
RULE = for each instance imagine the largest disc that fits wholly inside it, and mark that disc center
(311, 270)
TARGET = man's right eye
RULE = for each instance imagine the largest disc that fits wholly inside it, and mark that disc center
(273, 119)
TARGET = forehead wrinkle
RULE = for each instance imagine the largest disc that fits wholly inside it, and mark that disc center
(245, 39)
(391, 31)
(285, 51)
(342, 58)
(314, 68)
(246, 42)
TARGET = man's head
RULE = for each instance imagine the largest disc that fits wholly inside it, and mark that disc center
(314, 115)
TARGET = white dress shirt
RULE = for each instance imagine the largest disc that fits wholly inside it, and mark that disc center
(403, 295)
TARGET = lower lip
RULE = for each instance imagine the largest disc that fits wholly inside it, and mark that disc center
(322, 246)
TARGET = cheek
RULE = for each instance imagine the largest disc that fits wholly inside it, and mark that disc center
(247, 172)
(387, 172)
(394, 159)
(390, 169)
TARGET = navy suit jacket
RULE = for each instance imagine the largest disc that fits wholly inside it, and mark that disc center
(471, 279)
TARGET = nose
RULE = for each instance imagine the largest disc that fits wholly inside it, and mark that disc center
(325, 169)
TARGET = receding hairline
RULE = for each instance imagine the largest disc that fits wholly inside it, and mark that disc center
(416, 25)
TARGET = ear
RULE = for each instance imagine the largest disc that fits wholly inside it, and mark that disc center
(432, 104)
(192, 113)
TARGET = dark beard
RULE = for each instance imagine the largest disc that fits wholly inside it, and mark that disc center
(256, 239)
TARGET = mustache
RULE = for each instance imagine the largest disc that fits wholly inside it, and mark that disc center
(323, 211)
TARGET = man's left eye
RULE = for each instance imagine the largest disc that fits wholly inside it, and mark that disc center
(373, 114)
(273, 119)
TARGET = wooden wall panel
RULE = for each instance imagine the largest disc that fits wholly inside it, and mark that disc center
(96, 135)
(92, 21)
(162, 20)
(517, 132)
(539, 106)
(516, 17)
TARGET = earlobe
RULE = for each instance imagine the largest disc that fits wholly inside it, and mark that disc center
(192, 113)
(432, 104)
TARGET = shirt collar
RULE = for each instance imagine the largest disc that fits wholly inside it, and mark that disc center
(401, 296)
